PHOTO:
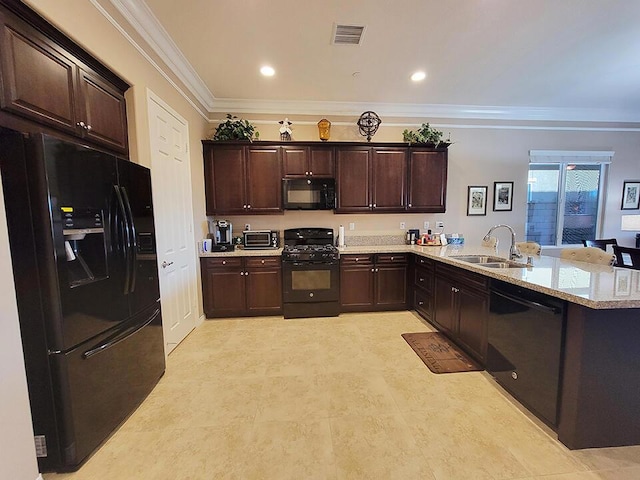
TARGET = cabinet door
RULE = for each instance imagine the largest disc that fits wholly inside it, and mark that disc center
(264, 180)
(295, 161)
(391, 287)
(223, 289)
(103, 112)
(224, 178)
(356, 282)
(321, 163)
(352, 176)
(264, 291)
(427, 191)
(473, 321)
(444, 310)
(389, 179)
(263, 279)
(38, 80)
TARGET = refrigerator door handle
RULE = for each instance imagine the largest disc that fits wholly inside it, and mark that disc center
(134, 241)
(120, 336)
(127, 242)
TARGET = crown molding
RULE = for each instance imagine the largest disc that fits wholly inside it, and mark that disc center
(142, 19)
(469, 112)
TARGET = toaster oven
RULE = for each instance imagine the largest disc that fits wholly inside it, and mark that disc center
(261, 238)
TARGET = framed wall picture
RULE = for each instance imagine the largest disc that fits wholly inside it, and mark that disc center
(502, 196)
(477, 201)
(631, 195)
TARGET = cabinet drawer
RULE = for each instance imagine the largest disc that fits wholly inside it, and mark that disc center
(423, 262)
(422, 302)
(423, 278)
(391, 258)
(222, 262)
(463, 276)
(356, 259)
(262, 262)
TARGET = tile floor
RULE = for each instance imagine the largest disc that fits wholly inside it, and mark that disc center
(332, 398)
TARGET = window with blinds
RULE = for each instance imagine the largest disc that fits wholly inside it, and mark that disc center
(564, 197)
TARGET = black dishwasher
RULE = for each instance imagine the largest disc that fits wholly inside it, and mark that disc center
(526, 336)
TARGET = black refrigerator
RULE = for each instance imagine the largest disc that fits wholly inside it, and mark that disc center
(83, 249)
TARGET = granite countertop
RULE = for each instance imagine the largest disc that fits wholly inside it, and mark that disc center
(594, 286)
(242, 252)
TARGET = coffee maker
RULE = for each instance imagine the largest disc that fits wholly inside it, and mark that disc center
(221, 232)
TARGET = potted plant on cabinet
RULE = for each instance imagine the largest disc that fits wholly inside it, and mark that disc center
(426, 135)
(234, 128)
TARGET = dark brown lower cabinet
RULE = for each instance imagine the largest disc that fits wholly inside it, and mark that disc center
(370, 282)
(423, 286)
(237, 286)
(461, 308)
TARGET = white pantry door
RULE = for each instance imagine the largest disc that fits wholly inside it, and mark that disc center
(171, 182)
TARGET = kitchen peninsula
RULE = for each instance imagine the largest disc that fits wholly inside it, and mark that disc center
(600, 362)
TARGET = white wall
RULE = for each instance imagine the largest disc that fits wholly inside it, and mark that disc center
(17, 450)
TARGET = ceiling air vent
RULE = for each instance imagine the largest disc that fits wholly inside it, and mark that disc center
(347, 34)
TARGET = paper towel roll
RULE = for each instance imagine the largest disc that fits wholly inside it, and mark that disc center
(341, 236)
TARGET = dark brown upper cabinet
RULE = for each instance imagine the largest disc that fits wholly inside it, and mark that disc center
(242, 179)
(371, 179)
(427, 185)
(47, 83)
(305, 161)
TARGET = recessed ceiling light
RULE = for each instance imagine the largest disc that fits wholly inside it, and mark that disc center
(418, 76)
(267, 71)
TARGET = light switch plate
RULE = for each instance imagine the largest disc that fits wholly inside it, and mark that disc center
(439, 224)
(352, 226)
(403, 225)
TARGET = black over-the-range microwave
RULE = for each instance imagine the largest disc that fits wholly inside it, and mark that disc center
(308, 193)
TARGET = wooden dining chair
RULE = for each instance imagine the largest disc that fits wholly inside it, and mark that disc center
(600, 243)
(627, 257)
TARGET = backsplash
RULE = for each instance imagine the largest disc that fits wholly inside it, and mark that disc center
(374, 240)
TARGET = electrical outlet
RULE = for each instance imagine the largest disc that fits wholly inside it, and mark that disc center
(352, 226)
(403, 225)
(426, 226)
(247, 226)
(439, 224)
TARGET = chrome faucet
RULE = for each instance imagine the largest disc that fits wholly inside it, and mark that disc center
(514, 251)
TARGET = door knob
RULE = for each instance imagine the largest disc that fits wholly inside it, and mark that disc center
(165, 264)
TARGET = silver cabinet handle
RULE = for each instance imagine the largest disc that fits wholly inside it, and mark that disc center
(373, 269)
(311, 173)
(421, 279)
(420, 303)
(410, 205)
(248, 206)
(244, 206)
(262, 261)
(306, 173)
(370, 205)
(374, 205)
(392, 259)
(165, 264)
(88, 128)
(241, 273)
(224, 262)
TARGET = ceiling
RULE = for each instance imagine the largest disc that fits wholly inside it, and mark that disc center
(543, 55)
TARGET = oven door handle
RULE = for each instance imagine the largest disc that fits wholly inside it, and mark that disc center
(306, 264)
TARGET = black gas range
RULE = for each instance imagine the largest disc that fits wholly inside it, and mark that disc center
(310, 273)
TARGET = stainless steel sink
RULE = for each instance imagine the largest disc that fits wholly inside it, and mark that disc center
(490, 261)
(479, 258)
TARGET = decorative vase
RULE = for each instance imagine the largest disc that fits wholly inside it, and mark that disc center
(324, 129)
